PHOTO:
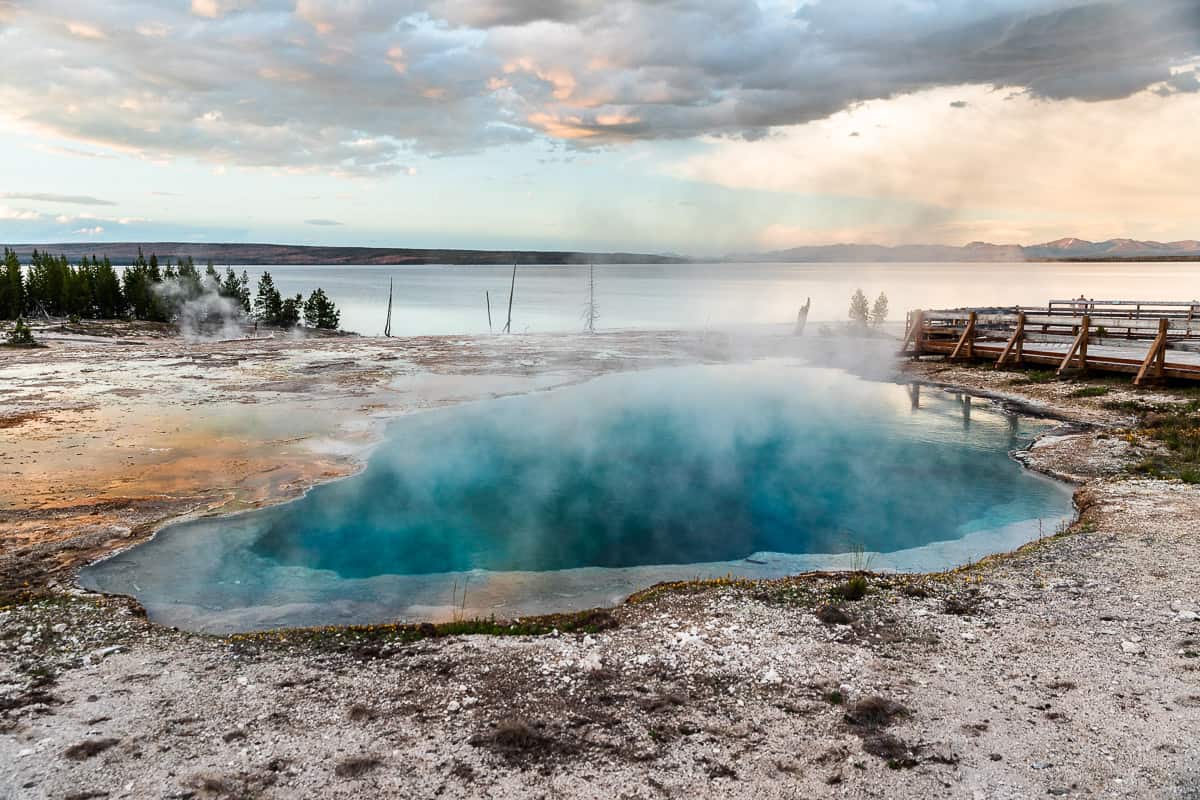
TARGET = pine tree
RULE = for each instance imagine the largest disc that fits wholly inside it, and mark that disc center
(20, 334)
(879, 311)
(236, 289)
(212, 280)
(189, 278)
(135, 285)
(243, 293)
(268, 305)
(320, 312)
(860, 310)
(12, 287)
(107, 297)
(289, 311)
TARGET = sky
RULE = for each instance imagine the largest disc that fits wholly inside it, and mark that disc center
(685, 126)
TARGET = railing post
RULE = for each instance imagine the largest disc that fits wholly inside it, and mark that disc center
(915, 333)
(1083, 342)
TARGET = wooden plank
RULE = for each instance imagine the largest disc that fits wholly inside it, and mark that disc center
(1155, 357)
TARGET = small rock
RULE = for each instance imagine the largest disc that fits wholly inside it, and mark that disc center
(1132, 648)
(591, 662)
(771, 677)
(453, 706)
(1187, 616)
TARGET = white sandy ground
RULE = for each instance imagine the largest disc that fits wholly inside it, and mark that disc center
(1071, 668)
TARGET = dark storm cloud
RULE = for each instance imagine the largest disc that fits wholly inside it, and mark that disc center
(354, 86)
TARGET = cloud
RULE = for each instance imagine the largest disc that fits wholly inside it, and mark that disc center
(95, 231)
(85, 31)
(21, 214)
(492, 14)
(215, 9)
(322, 222)
(1102, 167)
(295, 86)
(73, 152)
(46, 197)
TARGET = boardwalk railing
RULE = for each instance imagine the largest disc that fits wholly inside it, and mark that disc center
(1136, 337)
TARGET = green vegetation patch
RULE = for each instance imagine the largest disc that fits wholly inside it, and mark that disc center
(1175, 425)
(1089, 391)
(1035, 376)
(366, 640)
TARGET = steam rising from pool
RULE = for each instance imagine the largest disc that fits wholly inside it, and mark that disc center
(576, 497)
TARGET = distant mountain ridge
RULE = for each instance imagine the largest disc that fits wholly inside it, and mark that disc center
(1065, 249)
(280, 254)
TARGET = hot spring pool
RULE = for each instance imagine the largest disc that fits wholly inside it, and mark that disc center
(575, 498)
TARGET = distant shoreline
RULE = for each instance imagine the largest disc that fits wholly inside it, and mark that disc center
(124, 253)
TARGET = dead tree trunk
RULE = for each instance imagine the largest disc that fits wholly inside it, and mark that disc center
(511, 288)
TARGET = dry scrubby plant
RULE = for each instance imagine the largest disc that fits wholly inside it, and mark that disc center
(356, 767)
(522, 741)
(88, 748)
(1175, 425)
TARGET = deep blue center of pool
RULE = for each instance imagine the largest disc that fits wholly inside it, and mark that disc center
(669, 467)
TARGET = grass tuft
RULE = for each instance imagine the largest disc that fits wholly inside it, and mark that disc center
(854, 588)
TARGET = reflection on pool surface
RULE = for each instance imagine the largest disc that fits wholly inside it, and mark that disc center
(573, 498)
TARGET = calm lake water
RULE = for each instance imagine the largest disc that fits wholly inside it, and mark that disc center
(451, 300)
(576, 497)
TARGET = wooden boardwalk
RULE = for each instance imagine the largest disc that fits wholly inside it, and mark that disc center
(1149, 340)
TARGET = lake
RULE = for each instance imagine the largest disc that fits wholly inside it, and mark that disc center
(451, 299)
(576, 497)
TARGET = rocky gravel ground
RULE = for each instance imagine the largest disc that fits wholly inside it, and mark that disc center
(1070, 668)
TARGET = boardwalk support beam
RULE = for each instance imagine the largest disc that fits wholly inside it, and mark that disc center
(967, 340)
(1016, 343)
(1078, 346)
(1156, 358)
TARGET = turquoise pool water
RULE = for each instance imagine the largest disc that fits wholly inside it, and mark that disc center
(575, 497)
